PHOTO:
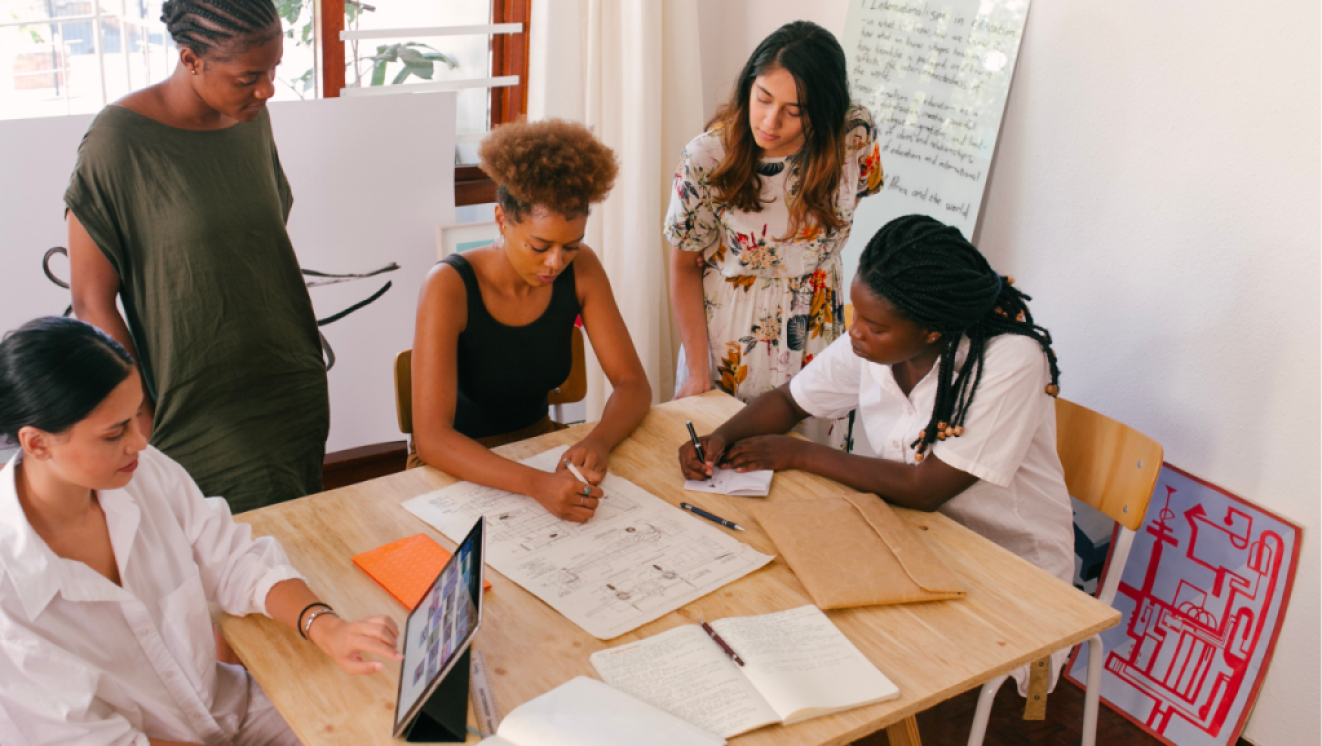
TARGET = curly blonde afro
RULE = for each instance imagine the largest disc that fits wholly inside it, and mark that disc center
(553, 164)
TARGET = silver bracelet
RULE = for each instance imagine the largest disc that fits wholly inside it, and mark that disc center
(307, 623)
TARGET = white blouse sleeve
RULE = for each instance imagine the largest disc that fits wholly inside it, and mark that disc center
(237, 570)
(1006, 411)
(828, 385)
(48, 698)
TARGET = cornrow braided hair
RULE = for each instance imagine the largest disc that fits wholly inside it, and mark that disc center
(940, 281)
(205, 25)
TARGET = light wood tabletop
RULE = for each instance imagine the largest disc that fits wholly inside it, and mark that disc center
(1014, 613)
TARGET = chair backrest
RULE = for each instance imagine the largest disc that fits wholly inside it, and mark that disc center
(1108, 465)
(849, 315)
(574, 389)
(404, 391)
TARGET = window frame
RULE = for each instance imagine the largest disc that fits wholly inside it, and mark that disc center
(509, 56)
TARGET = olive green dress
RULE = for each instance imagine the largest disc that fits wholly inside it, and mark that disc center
(193, 222)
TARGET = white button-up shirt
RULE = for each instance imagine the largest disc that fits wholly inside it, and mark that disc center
(84, 661)
(1009, 441)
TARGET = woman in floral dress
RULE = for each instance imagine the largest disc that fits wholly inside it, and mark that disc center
(762, 207)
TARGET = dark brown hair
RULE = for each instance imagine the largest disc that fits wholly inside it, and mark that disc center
(554, 164)
(813, 56)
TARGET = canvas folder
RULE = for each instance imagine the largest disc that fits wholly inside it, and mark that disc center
(855, 550)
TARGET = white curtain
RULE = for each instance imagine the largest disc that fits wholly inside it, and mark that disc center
(631, 71)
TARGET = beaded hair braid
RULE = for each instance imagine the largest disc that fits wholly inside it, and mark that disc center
(204, 25)
(937, 279)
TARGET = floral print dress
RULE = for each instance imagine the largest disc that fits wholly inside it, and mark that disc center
(771, 304)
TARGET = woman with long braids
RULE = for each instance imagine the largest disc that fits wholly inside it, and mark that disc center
(177, 208)
(762, 206)
(954, 384)
(109, 557)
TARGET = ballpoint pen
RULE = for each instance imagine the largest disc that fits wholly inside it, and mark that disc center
(711, 517)
(697, 446)
(724, 645)
(578, 474)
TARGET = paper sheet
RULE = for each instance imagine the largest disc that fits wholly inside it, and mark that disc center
(684, 673)
(730, 482)
(586, 712)
(637, 559)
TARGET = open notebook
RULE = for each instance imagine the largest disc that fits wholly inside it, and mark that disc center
(586, 712)
(730, 482)
(798, 666)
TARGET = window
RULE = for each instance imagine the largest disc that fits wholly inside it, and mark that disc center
(477, 47)
(73, 56)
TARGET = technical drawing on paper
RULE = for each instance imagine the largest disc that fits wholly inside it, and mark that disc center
(638, 558)
(1202, 594)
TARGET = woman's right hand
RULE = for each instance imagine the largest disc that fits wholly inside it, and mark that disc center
(713, 447)
(696, 383)
(567, 498)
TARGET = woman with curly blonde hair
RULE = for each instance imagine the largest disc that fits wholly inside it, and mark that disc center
(495, 324)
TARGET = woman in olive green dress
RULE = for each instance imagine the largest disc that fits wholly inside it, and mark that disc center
(177, 207)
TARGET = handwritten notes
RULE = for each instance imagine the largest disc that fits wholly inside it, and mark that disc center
(936, 77)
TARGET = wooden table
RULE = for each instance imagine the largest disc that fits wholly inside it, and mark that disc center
(1014, 613)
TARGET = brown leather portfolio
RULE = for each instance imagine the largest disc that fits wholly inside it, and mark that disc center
(854, 550)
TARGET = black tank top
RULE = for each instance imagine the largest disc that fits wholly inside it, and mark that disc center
(506, 372)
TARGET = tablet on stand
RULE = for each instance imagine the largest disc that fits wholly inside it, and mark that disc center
(432, 705)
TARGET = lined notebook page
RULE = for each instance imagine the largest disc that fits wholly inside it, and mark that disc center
(684, 673)
(802, 664)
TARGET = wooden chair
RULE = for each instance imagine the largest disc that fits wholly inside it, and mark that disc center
(1113, 468)
(574, 389)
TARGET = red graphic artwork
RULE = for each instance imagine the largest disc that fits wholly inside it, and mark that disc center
(1203, 593)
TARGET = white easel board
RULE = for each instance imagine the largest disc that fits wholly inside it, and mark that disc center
(936, 77)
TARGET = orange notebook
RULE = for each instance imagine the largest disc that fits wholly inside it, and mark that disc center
(406, 567)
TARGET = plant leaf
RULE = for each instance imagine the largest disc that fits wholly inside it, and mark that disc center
(403, 75)
(422, 71)
(411, 57)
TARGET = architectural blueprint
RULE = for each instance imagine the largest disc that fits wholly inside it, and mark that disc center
(635, 560)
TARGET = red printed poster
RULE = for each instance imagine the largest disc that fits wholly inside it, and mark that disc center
(1203, 595)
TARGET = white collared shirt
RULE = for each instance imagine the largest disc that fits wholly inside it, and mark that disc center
(84, 661)
(1009, 441)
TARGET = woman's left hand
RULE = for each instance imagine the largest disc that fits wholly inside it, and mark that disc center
(588, 457)
(775, 452)
(346, 642)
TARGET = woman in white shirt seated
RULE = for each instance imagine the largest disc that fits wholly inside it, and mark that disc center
(109, 555)
(953, 383)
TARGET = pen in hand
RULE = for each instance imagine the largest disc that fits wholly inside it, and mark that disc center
(697, 446)
(579, 475)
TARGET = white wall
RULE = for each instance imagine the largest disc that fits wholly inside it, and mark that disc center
(1156, 189)
(732, 28)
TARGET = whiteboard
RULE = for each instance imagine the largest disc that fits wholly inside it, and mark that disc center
(936, 77)
(372, 178)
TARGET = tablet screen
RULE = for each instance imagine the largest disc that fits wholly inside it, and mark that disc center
(439, 629)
